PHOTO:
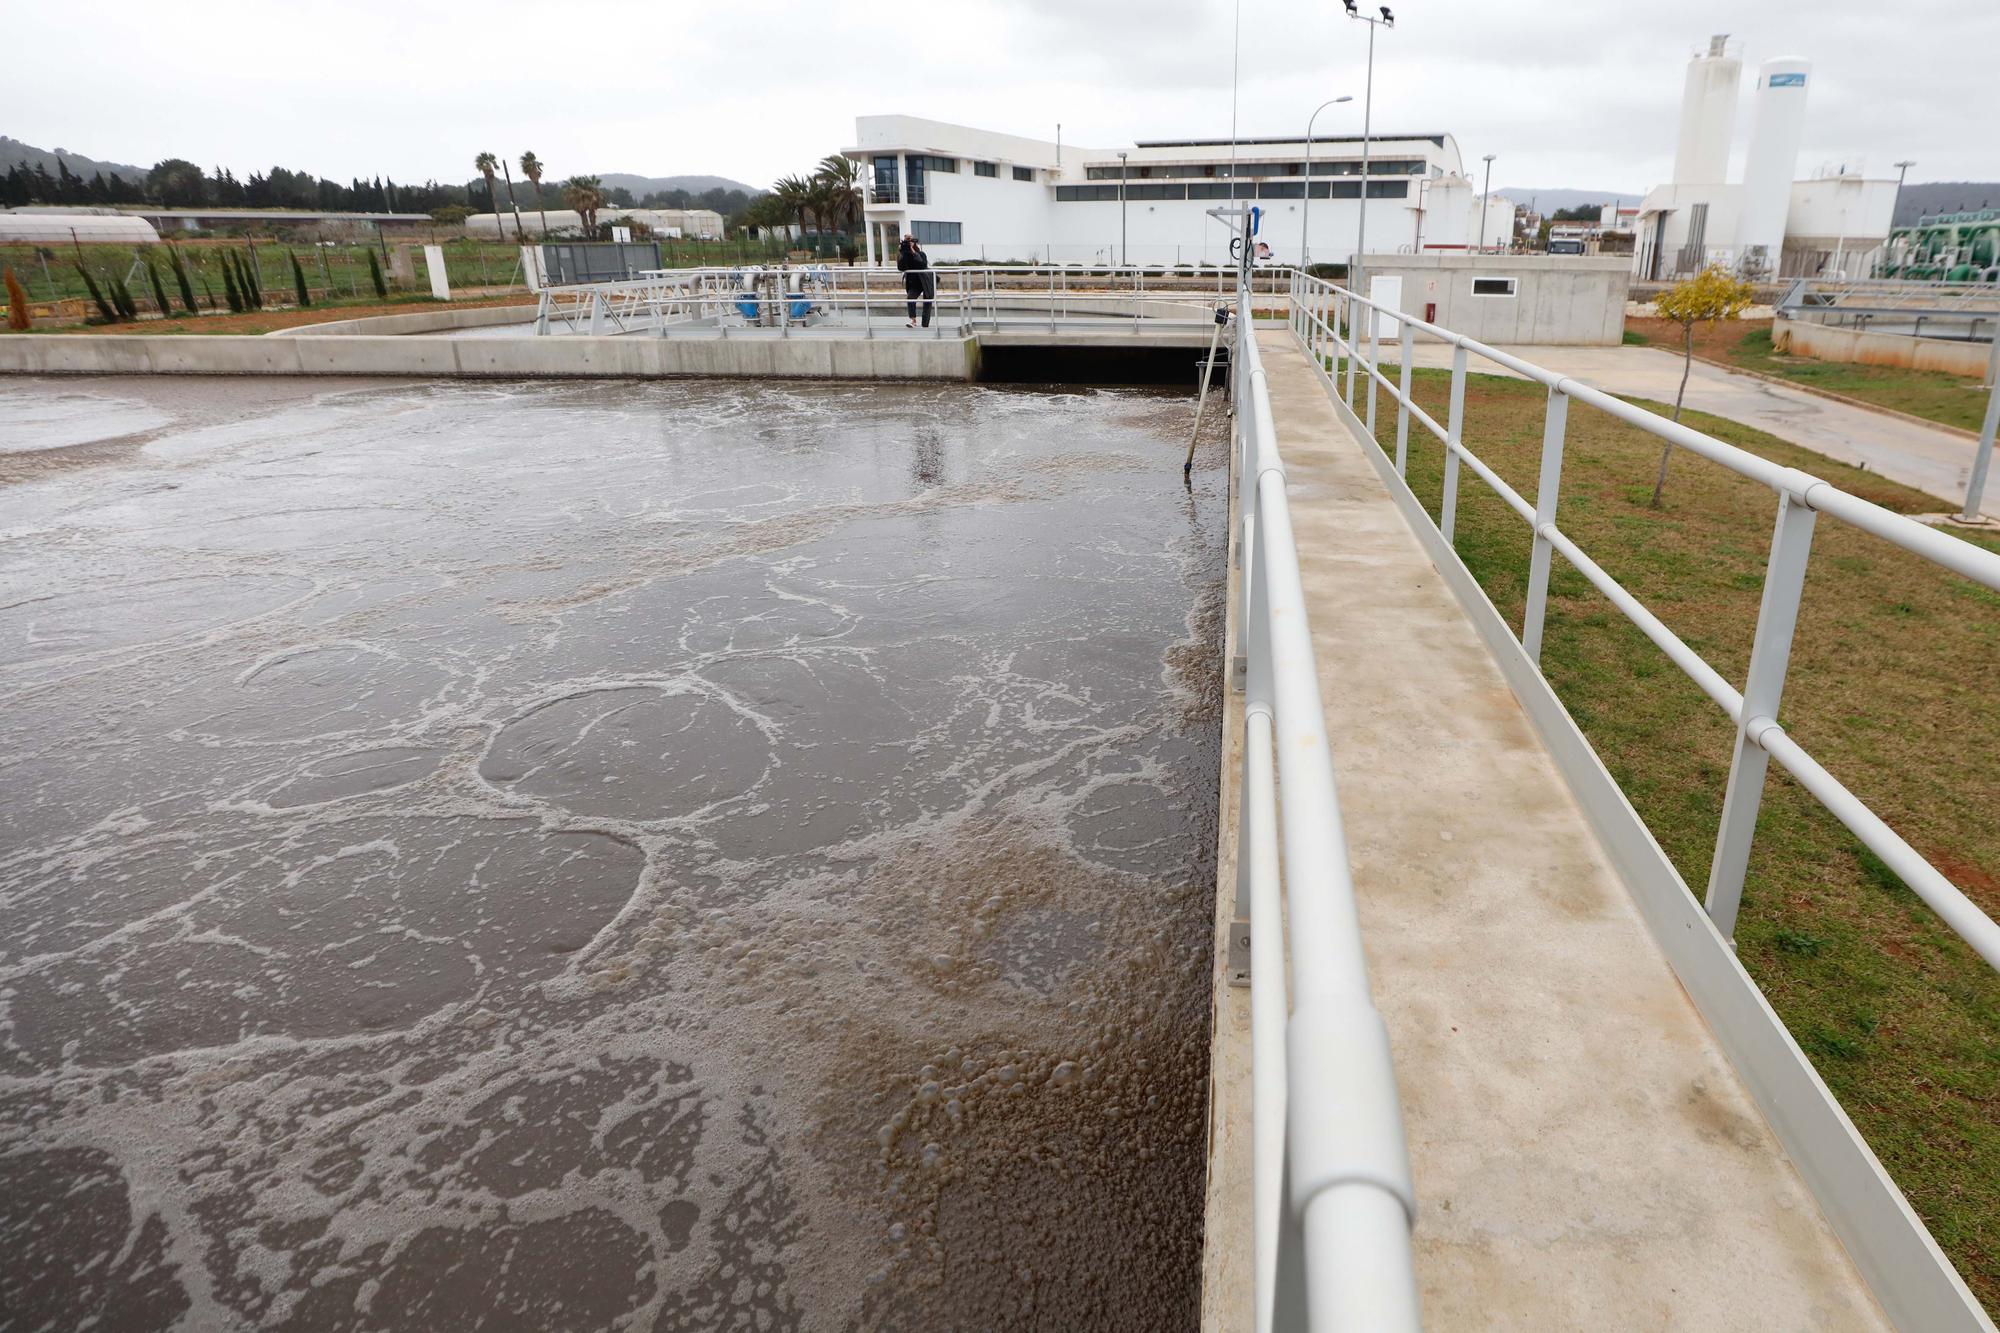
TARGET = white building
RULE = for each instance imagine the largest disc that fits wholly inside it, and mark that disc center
(972, 195)
(1769, 224)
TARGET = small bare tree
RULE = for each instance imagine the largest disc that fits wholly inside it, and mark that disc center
(1713, 294)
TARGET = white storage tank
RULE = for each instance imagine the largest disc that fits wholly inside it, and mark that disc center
(1708, 115)
(1768, 172)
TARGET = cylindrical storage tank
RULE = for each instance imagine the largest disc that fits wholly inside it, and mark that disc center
(1775, 132)
(1708, 116)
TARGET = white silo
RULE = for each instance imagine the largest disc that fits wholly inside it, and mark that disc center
(1708, 115)
(1768, 171)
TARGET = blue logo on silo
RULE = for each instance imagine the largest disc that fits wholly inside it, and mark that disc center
(1786, 81)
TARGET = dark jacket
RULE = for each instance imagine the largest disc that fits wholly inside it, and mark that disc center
(917, 279)
(909, 256)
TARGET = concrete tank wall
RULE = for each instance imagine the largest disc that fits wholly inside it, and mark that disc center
(1825, 343)
(498, 358)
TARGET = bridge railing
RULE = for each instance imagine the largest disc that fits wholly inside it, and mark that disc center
(783, 300)
(1333, 322)
(1332, 1195)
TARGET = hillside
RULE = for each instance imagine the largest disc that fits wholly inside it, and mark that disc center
(641, 186)
(14, 152)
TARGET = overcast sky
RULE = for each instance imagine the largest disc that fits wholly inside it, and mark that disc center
(1581, 94)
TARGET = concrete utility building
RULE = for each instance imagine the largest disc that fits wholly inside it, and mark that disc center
(1769, 224)
(971, 194)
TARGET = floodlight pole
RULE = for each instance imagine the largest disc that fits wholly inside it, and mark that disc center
(1485, 200)
(1305, 209)
(1121, 210)
(1354, 270)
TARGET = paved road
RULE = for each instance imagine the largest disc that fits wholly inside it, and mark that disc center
(1934, 461)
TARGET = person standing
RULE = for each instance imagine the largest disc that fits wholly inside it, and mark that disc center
(919, 283)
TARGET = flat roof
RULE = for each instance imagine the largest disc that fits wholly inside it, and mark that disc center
(256, 213)
(1437, 139)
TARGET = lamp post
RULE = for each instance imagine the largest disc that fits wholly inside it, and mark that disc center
(1388, 20)
(1121, 210)
(1485, 199)
(1902, 170)
(1305, 209)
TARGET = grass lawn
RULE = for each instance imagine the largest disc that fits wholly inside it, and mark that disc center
(1890, 688)
(1951, 400)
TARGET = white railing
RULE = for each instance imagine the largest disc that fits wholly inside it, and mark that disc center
(781, 300)
(1326, 319)
(1332, 1195)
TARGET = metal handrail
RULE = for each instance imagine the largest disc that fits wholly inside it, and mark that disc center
(1324, 318)
(1332, 1197)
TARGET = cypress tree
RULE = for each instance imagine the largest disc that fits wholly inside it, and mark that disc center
(159, 288)
(246, 282)
(121, 299)
(299, 281)
(104, 309)
(181, 276)
(256, 279)
(375, 274)
(229, 285)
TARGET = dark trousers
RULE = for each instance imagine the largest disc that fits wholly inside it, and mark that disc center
(921, 289)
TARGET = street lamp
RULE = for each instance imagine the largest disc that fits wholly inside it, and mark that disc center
(1121, 210)
(1387, 20)
(1305, 209)
(1485, 199)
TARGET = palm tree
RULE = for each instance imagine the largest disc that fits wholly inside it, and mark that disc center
(585, 194)
(531, 167)
(795, 196)
(841, 179)
(485, 164)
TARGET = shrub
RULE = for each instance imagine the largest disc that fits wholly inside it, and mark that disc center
(299, 281)
(375, 275)
(17, 302)
(229, 288)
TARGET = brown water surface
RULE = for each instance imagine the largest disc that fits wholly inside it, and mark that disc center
(603, 856)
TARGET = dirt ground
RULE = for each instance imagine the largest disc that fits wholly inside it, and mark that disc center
(1715, 341)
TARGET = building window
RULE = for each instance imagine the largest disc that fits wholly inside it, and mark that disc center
(1381, 166)
(984, 169)
(885, 181)
(937, 233)
(1388, 189)
(1205, 190)
(1282, 190)
(1085, 194)
(1024, 173)
(1493, 286)
(933, 163)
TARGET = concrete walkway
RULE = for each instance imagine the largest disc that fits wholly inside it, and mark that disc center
(1585, 1156)
(1934, 461)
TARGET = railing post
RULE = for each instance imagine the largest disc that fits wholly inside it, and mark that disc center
(1353, 347)
(597, 312)
(1454, 428)
(1374, 367)
(867, 306)
(1982, 457)
(1407, 353)
(1254, 680)
(1546, 494)
(1770, 655)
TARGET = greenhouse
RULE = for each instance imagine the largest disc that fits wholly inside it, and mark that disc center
(26, 227)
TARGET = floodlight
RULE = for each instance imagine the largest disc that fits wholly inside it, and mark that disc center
(1352, 11)
(1387, 17)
